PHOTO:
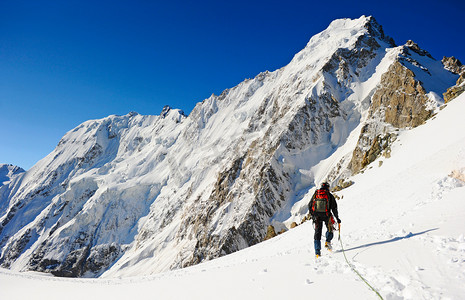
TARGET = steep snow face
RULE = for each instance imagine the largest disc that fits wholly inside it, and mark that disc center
(136, 195)
(90, 192)
(7, 172)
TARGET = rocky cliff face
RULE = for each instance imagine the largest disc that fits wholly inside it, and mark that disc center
(455, 66)
(456, 90)
(132, 195)
(400, 101)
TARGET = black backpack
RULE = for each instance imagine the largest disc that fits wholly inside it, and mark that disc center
(321, 202)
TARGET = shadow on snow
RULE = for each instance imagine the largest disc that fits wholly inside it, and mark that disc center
(407, 236)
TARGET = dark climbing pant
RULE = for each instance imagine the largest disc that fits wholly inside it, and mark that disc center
(318, 231)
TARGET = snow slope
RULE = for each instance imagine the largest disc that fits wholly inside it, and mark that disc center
(403, 230)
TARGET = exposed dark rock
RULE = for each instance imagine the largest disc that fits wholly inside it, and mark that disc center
(15, 250)
(101, 257)
(305, 219)
(415, 48)
(91, 155)
(73, 265)
(455, 90)
(399, 102)
(165, 111)
(77, 262)
(453, 64)
(342, 184)
(375, 29)
(379, 145)
(270, 232)
(369, 147)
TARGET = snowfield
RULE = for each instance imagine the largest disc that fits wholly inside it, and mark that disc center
(403, 224)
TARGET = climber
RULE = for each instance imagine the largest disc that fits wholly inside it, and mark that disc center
(320, 208)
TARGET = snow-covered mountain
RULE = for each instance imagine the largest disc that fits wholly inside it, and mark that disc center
(7, 175)
(7, 172)
(132, 195)
(402, 230)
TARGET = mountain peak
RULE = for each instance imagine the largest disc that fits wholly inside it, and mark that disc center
(178, 114)
(364, 23)
(8, 171)
(415, 48)
(363, 33)
(376, 30)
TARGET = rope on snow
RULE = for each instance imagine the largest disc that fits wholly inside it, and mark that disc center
(353, 268)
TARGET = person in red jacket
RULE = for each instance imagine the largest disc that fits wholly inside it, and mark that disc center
(321, 208)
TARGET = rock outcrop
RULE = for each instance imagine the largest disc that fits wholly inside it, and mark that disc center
(455, 90)
(270, 232)
(415, 48)
(453, 65)
(400, 101)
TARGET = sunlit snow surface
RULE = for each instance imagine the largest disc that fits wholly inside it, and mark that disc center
(403, 229)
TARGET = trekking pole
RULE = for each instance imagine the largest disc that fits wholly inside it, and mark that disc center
(353, 268)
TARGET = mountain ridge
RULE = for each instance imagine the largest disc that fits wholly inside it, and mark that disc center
(141, 194)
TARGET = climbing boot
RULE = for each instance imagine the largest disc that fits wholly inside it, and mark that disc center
(328, 246)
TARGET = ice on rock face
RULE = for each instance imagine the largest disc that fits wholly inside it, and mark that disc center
(140, 194)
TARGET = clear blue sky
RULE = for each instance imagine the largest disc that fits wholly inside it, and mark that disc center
(66, 62)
